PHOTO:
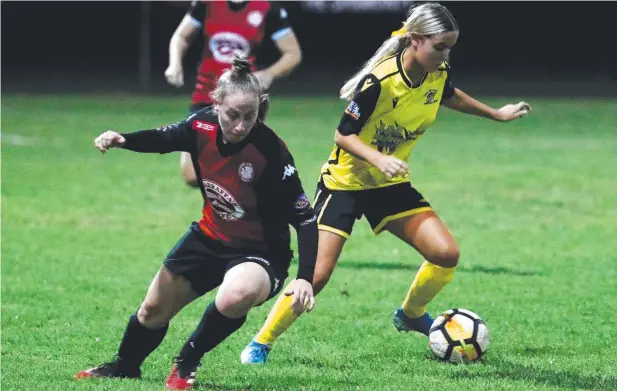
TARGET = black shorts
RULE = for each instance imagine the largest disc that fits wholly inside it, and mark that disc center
(204, 262)
(337, 210)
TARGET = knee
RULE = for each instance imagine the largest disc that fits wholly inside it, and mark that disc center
(151, 315)
(237, 301)
(445, 256)
(189, 177)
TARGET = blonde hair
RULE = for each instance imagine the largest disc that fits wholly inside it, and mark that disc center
(425, 19)
(240, 78)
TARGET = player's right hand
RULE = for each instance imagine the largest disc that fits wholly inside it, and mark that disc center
(303, 298)
(109, 139)
(391, 166)
(175, 75)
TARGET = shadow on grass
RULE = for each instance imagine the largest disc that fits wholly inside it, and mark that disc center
(561, 379)
(461, 269)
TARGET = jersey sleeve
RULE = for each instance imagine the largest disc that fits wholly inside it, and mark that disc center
(302, 217)
(361, 106)
(448, 87)
(197, 12)
(277, 23)
(169, 138)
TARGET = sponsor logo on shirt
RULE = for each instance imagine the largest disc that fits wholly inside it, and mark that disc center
(222, 202)
(204, 126)
(353, 110)
(226, 45)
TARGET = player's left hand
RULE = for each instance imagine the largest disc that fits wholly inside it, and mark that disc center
(303, 298)
(513, 111)
(264, 79)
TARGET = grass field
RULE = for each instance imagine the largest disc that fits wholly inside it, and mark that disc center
(531, 203)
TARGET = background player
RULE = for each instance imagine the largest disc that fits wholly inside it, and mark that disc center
(230, 28)
(394, 98)
(238, 160)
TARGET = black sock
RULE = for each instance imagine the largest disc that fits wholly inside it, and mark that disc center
(213, 328)
(138, 342)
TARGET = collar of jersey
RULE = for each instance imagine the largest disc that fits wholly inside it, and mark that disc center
(407, 79)
(229, 149)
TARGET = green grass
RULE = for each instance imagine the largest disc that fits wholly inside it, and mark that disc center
(531, 204)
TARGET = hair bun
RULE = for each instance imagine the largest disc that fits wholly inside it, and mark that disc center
(241, 66)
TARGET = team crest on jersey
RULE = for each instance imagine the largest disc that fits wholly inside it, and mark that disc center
(226, 45)
(430, 97)
(246, 172)
(388, 137)
(254, 18)
(223, 203)
(302, 202)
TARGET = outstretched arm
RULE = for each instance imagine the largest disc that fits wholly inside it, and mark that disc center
(464, 103)
(169, 138)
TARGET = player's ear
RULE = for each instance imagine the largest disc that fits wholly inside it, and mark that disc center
(416, 39)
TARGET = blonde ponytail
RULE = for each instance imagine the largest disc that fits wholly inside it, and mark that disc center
(425, 19)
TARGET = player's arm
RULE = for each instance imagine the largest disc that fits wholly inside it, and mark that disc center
(169, 138)
(455, 99)
(280, 31)
(355, 116)
(181, 40)
(302, 217)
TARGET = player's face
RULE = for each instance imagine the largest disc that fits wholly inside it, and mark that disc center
(434, 50)
(237, 115)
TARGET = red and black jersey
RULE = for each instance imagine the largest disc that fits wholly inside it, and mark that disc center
(251, 189)
(232, 29)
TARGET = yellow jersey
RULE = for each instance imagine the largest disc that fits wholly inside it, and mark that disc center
(389, 115)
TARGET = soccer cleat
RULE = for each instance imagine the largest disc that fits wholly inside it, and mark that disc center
(404, 323)
(110, 369)
(255, 353)
(182, 376)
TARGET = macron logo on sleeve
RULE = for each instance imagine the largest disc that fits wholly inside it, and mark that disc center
(201, 126)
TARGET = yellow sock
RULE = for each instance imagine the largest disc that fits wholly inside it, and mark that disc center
(280, 318)
(429, 281)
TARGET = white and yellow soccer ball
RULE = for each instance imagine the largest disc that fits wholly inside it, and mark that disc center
(459, 336)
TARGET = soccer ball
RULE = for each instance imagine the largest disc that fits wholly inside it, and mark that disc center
(458, 336)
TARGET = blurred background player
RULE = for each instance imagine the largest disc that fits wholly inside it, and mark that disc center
(394, 98)
(230, 28)
(239, 160)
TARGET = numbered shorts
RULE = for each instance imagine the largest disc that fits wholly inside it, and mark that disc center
(204, 262)
(337, 210)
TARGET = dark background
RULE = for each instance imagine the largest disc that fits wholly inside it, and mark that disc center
(567, 47)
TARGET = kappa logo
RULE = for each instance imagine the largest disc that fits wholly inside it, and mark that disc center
(288, 171)
(200, 125)
(430, 97)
